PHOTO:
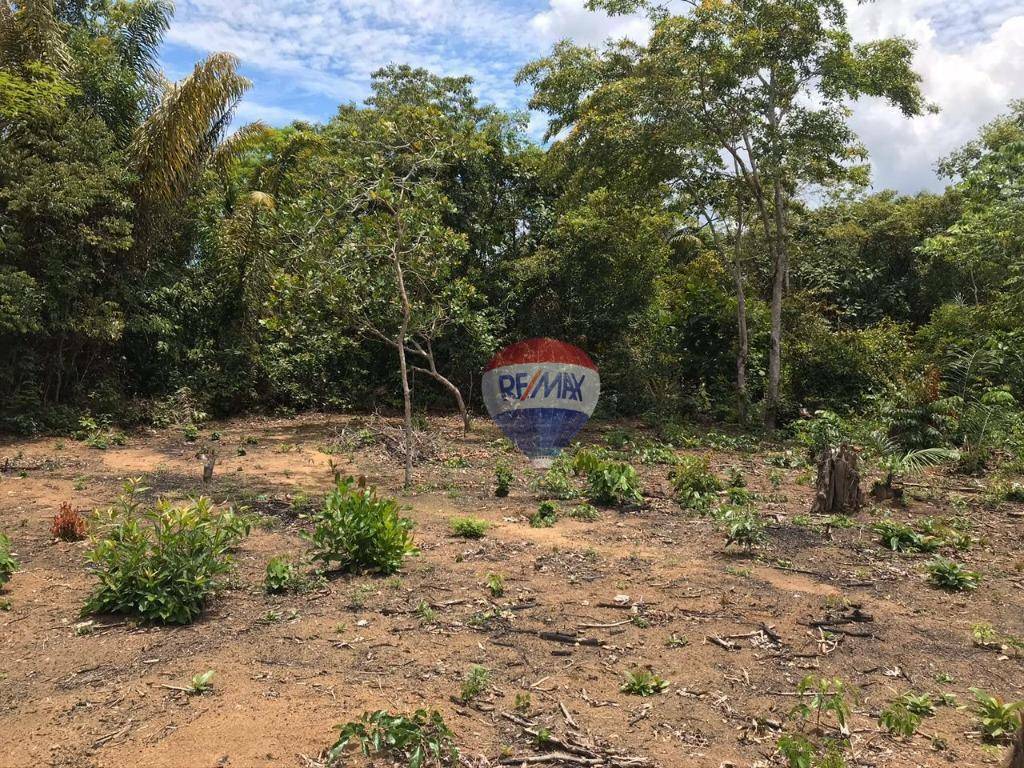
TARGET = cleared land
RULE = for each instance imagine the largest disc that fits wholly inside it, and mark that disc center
(289, 668)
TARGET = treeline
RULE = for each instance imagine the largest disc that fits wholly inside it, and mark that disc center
(145, 251)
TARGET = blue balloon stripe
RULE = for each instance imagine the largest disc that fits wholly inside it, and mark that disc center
(541, 432)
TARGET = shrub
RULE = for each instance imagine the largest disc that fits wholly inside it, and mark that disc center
(419, 739)
(545, 516)
(160, 564)
(614, 483)
(743, 528)
(502, 479)
(584, 512)
(469, 527)
(947, 574)
(695, 485)
(495, 584)
(8, 565)
(68, 524)
(899, 720)
(360, 531)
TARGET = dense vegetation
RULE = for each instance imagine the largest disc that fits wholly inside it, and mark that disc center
(148, 257)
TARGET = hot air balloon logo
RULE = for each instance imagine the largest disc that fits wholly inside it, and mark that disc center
(541, 392)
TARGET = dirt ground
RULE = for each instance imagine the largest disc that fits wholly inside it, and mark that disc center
(289, 668)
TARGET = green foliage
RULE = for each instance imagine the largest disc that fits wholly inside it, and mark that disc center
(947, 574)
(898, 719)
(584, 512)
(495, 584)
(359, 531)
(415, 740)
(744, 528)
(902, 538)
(998, 719)
(160, 564)
(643, 682)
(469, 527)
(613, 483)
(545, 516)
(284, 576)
(502, 479)
(475, 683)
(823, 696)
(201, 683)
(8, 565)
(800, 752)
(695, 485)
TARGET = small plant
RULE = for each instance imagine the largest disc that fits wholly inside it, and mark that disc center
(999, 720)
(160, 564)
(420, 739)
(523, 703)
(585, 512)
(495, 584)
(902, 538)
(475, 683)
(744, 528)
(695, 485)
(826, 696)
(920, 704)
(613, 483)
(545, 516)
(98, 433)
(469, 527)
(359, 531)
(736, 479)
(676, 641)
(200, 683)
(282, 575)
(190, 432)
(68, 524)
(947, 574)
(899, 720)
(8, 565)
(425, 613)
(502, 479)
(799, 752)
(643, 682)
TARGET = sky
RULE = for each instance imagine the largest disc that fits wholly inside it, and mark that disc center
(307, 56)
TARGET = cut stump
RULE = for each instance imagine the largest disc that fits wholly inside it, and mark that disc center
(837, 488)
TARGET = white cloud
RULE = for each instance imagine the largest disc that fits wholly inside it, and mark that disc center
(970, 54)
(250, 110)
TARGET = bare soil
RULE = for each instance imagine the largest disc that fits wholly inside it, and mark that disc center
(289, 668)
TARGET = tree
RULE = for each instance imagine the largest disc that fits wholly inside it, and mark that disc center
(762, 82)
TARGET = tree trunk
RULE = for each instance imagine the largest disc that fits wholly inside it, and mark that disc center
(771, 411)
(450, 386)
(837, 488)
(404, 367)
(743, 352)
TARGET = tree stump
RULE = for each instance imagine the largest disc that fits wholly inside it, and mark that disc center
(837, 488)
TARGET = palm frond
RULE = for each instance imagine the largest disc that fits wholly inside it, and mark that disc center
(32, 33)
(179, 137)
(143, 24)
(261, 200)
(242, 140)
(915, 461)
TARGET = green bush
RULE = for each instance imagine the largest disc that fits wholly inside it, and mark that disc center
(609, 482)
(282, 575)
(502, 479)
(160, 564)
(469, 527)
(695, 485)
(416, 740)
(902, 538)
(360, 531)
(545, 516)
(8, 564)
(947, 574)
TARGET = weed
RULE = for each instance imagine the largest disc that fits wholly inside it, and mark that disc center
(676, 641)
(523, 703)
(358, 597)
(918, 703)
(611, 483)
(200, 683)
(190, 432)
(998, 719)
(799, 752)
(643, 682)
(97, 433)
(947, 574)
(160, 564)
(419, 739)
(502, 479)
(736, 479)
(8, 565)
(584, 512)
(284, 576)
(639, 621)
(475, 683)
(495, 584)
(826, 696)
(902, 538)
(469, 527)
(68, 524)
(899, 720)
(695, 485)
(426, 613)
(360, 531)
(744, 528)
(545, 516)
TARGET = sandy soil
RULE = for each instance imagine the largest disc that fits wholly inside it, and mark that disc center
(289, 668)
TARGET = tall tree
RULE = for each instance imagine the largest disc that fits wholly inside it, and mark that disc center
(763, 82)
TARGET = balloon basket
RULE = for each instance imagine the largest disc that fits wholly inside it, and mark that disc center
(542, 462)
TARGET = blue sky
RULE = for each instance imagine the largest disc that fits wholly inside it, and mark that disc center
(307, 56)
